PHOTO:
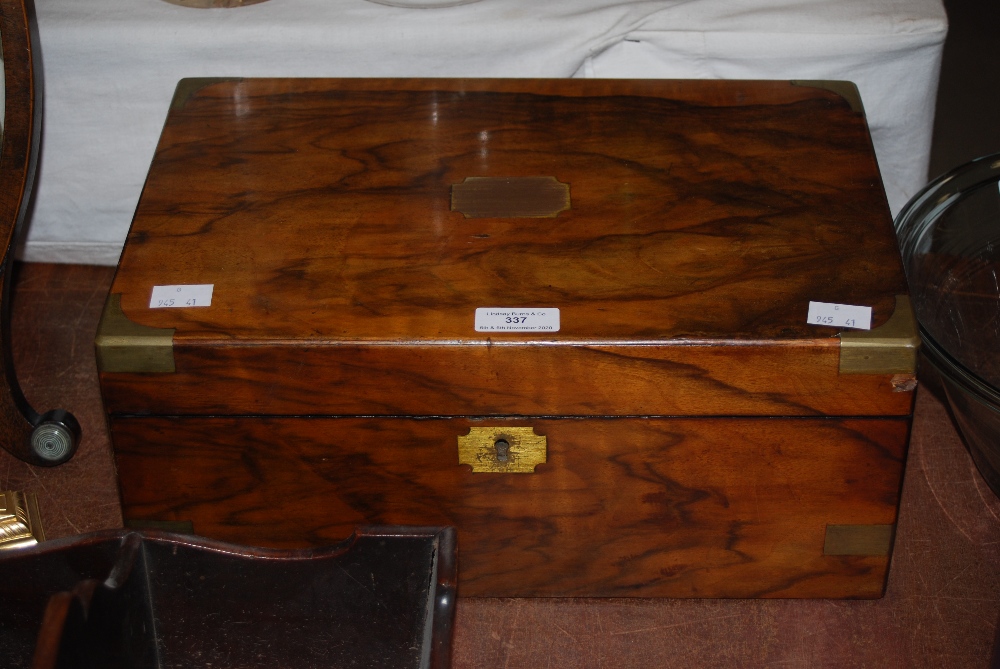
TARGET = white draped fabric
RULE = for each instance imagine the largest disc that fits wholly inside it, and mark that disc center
(111, 67)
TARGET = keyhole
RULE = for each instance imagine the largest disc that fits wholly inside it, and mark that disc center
(502, 449)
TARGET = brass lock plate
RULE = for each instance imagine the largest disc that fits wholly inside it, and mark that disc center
(506, 450)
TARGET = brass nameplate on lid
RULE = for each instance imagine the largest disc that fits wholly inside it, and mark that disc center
(505, 450)
(510, 197)
(20, 523)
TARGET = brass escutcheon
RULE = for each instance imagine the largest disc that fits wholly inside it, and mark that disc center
(507, 450)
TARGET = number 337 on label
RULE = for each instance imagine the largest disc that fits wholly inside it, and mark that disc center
(526, 319)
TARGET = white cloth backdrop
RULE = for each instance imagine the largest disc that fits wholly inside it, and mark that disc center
(111, 67)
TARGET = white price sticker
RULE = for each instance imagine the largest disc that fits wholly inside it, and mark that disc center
(840, 315)
(199, 295)
(527, 319)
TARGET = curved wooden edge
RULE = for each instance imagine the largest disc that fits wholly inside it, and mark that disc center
(18, 162)
(848, 90)
(65, 621)
(129, 540)
(188, 86)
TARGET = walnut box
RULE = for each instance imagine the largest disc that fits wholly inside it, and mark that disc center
(613, 331)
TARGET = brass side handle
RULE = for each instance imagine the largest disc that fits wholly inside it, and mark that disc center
(506, 450)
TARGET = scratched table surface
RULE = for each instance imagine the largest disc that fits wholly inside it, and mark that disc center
(941, 607)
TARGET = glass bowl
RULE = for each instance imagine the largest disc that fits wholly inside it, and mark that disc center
(949, 234)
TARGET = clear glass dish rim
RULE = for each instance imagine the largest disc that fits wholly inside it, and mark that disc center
(958, 373)
(924, 209)
(918, 217)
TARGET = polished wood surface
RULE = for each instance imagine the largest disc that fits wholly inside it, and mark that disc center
(622, 507)
(484, 380)
(704, 217)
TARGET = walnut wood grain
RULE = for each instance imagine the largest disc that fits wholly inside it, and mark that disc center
(484, 379)
(625, 507)
(701, 213)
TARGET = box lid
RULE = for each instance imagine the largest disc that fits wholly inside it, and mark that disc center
(668, 235)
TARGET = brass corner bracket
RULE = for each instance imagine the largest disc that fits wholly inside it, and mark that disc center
(124, 346)
(888, 349)
(20, 523)
(503, 450)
